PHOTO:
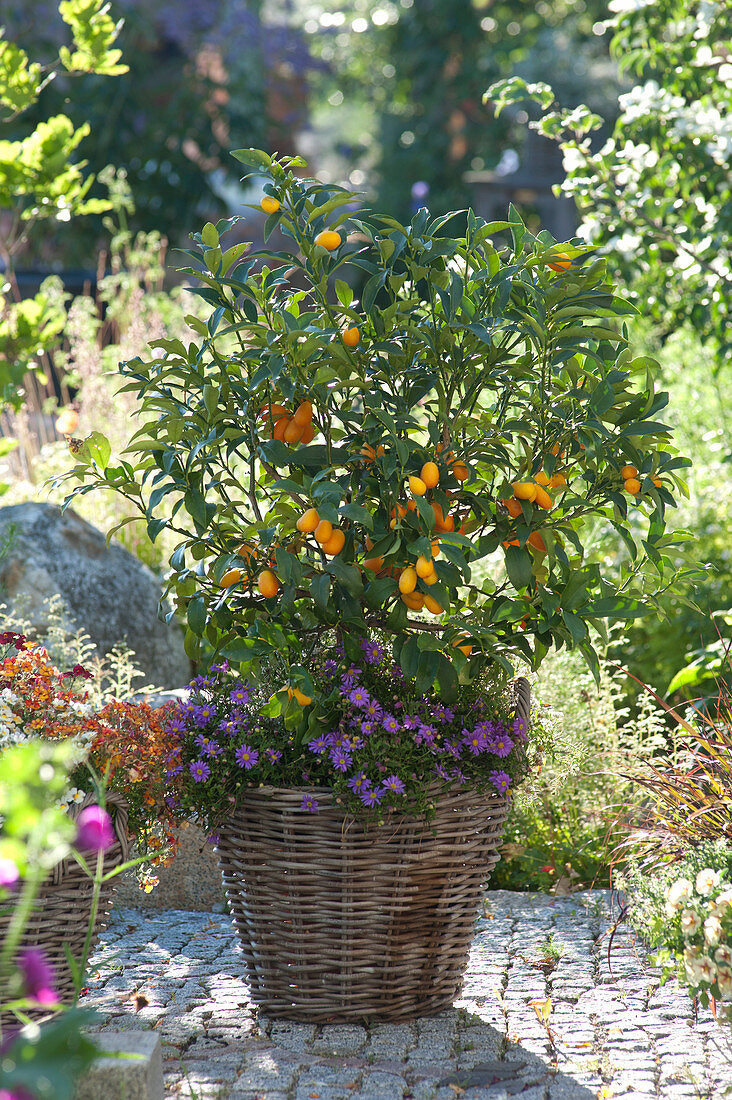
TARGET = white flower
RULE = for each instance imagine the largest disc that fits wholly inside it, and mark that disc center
(723, 955)
(678, 892)
(724, 983)
(725, 898)
(690, 922)
(702, 969)
(691, 957)
(84, 709)
(712, 930)
(706, 880)
(72, 796)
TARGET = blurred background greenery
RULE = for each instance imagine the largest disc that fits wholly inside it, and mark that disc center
(387, 97)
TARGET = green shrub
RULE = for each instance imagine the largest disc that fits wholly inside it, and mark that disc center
(684, 911)
(567, 819)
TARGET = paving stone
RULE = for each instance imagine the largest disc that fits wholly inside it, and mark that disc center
(340, 1039)
(383, 1086)
(292, 1036)
(189, 966)
(390, 1041)
(326, 1092)
(139, 1077)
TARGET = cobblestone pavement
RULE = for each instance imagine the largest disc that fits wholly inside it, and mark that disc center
(611, 1029)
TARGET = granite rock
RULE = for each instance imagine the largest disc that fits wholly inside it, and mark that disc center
(106, 591)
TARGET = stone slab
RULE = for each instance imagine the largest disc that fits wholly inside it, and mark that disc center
(137, 1077)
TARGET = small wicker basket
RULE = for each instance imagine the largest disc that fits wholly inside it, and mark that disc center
(340, 922)
(62, 909)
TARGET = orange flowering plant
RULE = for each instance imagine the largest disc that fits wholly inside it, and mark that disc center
(122, 742)
(390, 430)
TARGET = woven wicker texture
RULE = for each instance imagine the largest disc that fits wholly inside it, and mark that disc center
(60, 917)
(338, 922)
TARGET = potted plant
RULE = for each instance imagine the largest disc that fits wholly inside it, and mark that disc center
(114, 756)
(395, 436)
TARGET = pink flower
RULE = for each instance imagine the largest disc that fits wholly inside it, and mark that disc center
(9, 874)
(94, 830)
(38, 976)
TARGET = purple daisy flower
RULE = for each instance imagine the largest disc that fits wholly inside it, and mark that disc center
(359, 782)
(390, 724)
(502, 746)
(457, 776)
(348, 683)
(410, 722)
(273, 755)
(519, 729)
(372, 652)
(208, 746)
(246, 757)
(329, 668)
(200, 682)
(372, 710)
(341, 760)
(359, 697)
(176, 725)
(309, 803)
(203, 713)
(371, 797)
(394, 783)
(231, 727)
(200, 770)
(367, 728)
(320, 744)
(501, 781)
(425, 734)
(475, 741)
(441, 772)
(239, 694)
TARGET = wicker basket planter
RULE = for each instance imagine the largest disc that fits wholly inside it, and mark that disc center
(60, 917)
(342, 922)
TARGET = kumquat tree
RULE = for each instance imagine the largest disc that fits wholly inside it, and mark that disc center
(443, 460)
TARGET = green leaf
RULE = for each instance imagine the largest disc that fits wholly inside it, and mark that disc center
(210, 235)
(19, 81)
(347, 575)
(357, 514)
(255, 158)
(94, 33)
(343, 293)
(447, 679)
(195, 505)
(514, 90)
(429, 663)
(99, 449)
(320, 588)
(196, 615)
(575, 625)
(518, 566)
(409, 657)
(239, 650)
